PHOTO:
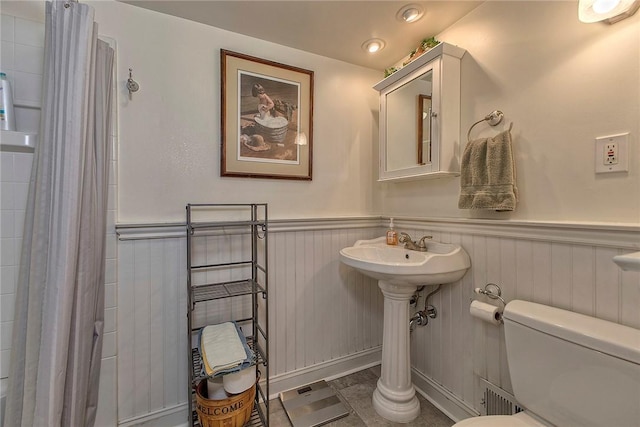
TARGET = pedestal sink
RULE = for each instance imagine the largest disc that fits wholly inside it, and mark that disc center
(399, 272)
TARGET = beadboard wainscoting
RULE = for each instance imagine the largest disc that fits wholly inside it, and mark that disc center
(325, 319)
(562, 265)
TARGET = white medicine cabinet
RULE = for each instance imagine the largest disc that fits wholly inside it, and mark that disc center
(420, 117)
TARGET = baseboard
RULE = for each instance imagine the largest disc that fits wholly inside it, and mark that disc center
(325, 371)
(176, 416)
(441, 398)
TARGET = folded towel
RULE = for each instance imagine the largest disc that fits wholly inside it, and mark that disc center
(488, 174)
(223, 349)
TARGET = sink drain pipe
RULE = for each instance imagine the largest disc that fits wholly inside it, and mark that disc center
(421, 318)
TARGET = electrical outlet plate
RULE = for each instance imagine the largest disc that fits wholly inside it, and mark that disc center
(612, 153)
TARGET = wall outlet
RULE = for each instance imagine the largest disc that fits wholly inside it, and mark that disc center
(611, 153)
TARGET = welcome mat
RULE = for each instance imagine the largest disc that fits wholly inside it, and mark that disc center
(312, 405)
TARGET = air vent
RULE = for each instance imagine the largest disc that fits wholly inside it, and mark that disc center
(496, 401)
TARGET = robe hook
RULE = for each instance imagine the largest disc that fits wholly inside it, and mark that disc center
(132, 85)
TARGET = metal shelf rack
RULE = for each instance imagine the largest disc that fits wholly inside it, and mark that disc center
(208, 221)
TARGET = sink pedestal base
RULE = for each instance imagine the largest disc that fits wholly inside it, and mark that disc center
(395, 397)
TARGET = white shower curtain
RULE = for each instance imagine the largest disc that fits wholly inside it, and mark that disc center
(57, 335)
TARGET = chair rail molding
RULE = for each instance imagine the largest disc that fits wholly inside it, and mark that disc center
(613, 235)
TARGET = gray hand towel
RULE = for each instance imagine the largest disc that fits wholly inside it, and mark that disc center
(488, 174)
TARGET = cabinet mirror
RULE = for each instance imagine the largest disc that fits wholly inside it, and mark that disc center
(405, 124)
(420, 117)
(424, 129)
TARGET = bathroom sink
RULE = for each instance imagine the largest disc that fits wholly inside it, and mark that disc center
(442, 263)
(399, 272)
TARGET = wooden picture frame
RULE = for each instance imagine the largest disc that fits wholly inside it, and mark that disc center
(266, 118)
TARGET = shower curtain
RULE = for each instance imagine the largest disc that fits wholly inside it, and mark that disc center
(57, 334)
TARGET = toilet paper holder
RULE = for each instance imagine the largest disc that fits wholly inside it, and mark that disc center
(492, 291)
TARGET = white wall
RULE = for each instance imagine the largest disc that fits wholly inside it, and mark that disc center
(532, 60)
(562, 83)
(168, 156)
(551, 75)
(169, 141)
(170, 130)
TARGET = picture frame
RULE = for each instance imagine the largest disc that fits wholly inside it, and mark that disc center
(266, 118)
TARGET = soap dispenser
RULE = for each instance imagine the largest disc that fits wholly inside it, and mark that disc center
(392, 235)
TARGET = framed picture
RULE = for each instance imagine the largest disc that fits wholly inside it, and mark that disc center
(267, 118)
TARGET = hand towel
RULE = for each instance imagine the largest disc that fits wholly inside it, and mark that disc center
(488, 174)
(223, 349)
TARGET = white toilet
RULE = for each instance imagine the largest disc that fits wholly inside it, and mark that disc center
(569, 370)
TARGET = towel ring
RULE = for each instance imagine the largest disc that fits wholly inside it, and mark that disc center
(493, 118)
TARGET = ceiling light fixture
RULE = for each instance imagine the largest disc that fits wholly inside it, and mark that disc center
(410, 13)
(373, 45)
(609, 11)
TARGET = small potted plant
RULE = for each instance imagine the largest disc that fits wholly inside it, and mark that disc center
(424, 46)
(429, 43)
(390, 71)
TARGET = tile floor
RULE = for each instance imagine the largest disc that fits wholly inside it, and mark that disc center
(355, 391)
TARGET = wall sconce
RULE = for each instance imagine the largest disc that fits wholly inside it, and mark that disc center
(301, 139)
(609, 11)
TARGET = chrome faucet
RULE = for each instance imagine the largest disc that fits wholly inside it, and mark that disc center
(411, 245)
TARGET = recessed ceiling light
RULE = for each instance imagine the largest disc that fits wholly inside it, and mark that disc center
(410, 13)
(610, 11)
(605, 6)
(373, 45)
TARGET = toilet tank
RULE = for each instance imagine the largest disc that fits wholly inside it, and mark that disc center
(573, 370)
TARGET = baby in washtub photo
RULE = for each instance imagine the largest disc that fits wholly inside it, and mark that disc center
(265, 104)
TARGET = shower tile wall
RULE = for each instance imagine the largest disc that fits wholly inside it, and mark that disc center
(16, 169)
(21, 59)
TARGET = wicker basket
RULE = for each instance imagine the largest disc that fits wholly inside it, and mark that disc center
(234, 411)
